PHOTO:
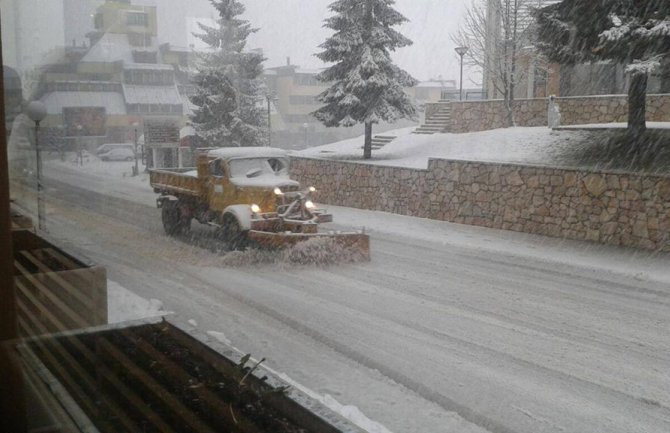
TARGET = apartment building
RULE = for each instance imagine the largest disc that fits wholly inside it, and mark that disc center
(119, 85)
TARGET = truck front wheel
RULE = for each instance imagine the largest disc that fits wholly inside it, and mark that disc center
(233, 234)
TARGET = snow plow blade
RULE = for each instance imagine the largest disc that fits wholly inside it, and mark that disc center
(357, 243)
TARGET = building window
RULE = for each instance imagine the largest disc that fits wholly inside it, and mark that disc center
(139, 40)
(305, 80)
(137, 19)
(145, 57)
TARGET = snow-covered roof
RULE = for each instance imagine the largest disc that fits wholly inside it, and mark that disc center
(188, 106)
(248, 152)
(147, 66)
(163, 95)
(186, 131)
(111, 101)
(308, 71)
(83, 82)
(268, 181)
(110, 48)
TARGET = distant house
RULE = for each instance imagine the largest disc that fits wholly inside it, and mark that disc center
(432, 91)
(295, 92)
(534, 78)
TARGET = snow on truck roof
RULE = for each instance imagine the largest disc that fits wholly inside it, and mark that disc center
(248, 152)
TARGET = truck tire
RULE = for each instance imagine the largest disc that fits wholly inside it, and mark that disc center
(173, 221)
(233, 235)
(170, 218)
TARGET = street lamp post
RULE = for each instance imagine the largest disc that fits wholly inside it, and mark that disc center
(136, 170)
(305, 127)
(461, 52)
(37, 112)
(80, 150)
(270, 98)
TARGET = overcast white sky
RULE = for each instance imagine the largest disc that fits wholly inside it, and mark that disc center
(294, 28)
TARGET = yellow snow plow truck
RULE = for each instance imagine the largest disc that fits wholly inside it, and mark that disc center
(247, 194)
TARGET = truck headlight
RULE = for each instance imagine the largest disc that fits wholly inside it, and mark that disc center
(278, 191)
(309, 205)
(255, 208)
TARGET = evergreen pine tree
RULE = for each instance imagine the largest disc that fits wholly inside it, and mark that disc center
(632, 32)
(227, 82)
(366, 86)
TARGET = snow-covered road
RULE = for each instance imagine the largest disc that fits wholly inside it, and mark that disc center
(448, 329)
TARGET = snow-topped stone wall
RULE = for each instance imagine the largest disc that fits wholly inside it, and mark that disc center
(471, 116)
(602, 206)
(608, 207)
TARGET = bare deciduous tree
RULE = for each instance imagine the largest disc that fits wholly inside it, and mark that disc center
(500, 38)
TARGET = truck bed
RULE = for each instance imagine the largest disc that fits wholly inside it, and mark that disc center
(176, 181)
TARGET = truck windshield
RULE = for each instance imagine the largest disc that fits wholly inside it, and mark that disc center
(255, 167)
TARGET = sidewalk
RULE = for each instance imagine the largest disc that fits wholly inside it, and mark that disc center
(639, 264)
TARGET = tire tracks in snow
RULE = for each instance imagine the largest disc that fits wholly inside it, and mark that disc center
(448, 343)
(147, 218)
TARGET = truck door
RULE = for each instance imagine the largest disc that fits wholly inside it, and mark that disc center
(217, 185)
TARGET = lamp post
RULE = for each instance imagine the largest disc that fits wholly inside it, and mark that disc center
(270, 98)
(461, 52)
(80, 151)
(136, 170)
(37, 112)
(305, 127)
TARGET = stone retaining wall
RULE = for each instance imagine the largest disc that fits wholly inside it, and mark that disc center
(470, 116)
(364, 186)
(608, 207)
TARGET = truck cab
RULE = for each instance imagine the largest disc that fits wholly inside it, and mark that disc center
(238, 176)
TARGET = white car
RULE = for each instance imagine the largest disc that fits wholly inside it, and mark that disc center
(104, 148)
(118, 154)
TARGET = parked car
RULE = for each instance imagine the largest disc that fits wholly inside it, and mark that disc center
(118, 154)
(109, 146)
